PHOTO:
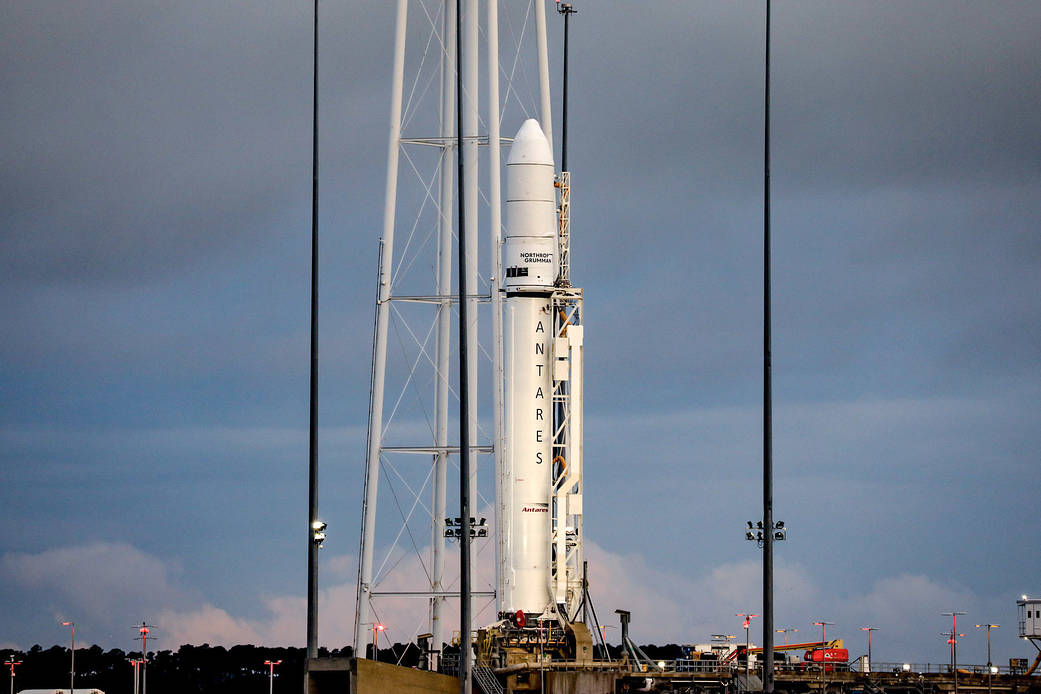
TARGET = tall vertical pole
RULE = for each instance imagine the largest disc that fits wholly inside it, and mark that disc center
(469, 59)
(72, 676)
(379, 354)
(495, 248)
(271, 674)
(747, 625)
(768, 472)
(824, 644)
(542, 47)
(567, 10)
(444, 324)
(312, 443)
(869, 660)
(748, 656)
(954, 644)
(990, 667)
(12, 663)
(144, 659)
(464, 390)
(954, 648)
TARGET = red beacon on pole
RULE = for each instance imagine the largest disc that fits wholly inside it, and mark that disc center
(271, 674)
(11, 664)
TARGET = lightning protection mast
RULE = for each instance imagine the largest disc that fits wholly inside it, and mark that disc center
(405, 524)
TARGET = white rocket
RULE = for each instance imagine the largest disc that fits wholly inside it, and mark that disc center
(536, 535)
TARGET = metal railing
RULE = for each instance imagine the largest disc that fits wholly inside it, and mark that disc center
(707, 667)
(712, 667)
(449, 665)
(944, 668)
(717, 667)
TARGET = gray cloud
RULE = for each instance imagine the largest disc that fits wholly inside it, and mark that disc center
(99, 584)
(154, 246)
(145, 138)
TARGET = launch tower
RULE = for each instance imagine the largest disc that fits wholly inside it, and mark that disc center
(525, 395)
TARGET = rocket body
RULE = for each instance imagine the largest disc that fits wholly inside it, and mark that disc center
(526, 484)
(529, 420)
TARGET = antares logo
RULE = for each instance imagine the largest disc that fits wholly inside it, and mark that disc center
(541, 508)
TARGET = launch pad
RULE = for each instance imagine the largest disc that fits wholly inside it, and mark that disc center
(532, 667)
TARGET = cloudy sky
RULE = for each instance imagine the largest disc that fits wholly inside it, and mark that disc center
(154, 259)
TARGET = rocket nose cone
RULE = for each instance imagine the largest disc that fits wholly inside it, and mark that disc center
(530, 145)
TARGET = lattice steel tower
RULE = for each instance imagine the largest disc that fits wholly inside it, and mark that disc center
(411, 397)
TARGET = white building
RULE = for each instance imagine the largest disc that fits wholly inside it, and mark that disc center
(1029, 617)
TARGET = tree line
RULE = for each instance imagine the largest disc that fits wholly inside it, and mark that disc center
(191, 669)
(201, 669)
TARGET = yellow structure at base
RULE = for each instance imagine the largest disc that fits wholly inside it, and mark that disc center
(371, 677)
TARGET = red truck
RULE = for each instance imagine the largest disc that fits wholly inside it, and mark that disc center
(831, 657)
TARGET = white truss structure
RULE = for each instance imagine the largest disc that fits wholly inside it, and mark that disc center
(411, 397)
(568, 362)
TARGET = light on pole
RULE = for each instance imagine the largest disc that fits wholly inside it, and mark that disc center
(824, 644)
(869, 630)
(143, 632)
(990, 668)
(376, 628)
(11, 664)
(747, 624)
(136, 663)
(271, 674)
(954, 644)
(785, 632)
(72, 675)
(603, 637)
(952, 639)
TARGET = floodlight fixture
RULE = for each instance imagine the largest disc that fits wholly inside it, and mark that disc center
(990, 667)
(318, 532)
